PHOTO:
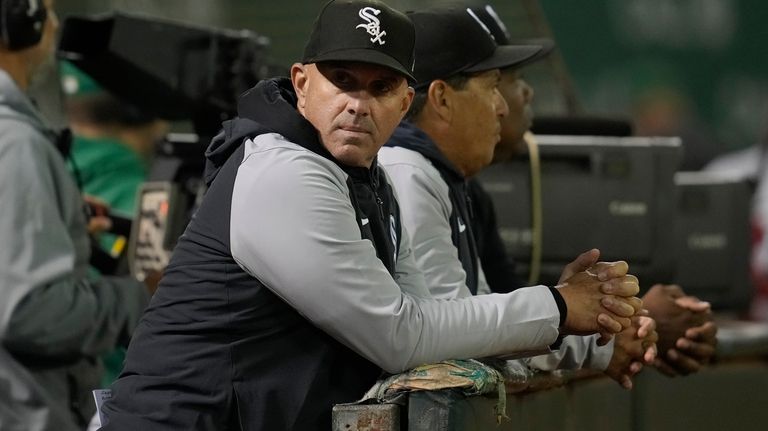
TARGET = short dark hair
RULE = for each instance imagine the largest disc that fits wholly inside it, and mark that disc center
(103, 109)
(457, 82)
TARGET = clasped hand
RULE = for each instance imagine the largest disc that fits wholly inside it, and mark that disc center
(687, 333)
(600, 296)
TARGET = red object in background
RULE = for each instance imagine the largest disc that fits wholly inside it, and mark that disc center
(164, 208)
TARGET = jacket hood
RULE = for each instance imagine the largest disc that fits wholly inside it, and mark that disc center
(408, 135)
(15, 104)
(269, 107)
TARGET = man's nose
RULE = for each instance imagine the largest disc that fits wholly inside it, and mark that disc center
(359, 103)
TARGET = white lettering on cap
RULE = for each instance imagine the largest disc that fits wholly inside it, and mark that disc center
(482, 24)
(373, 25)
(496, 18)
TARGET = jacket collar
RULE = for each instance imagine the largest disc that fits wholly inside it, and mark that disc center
(409, 136)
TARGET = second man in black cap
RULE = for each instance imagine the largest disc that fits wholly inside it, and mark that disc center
(452, 129)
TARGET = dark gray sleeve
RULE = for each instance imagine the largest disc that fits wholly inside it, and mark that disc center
(74, 318)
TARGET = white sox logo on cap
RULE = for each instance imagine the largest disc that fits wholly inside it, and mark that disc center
(337, 35)
(373, 26)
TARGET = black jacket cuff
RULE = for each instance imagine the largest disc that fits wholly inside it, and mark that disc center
(561, 306)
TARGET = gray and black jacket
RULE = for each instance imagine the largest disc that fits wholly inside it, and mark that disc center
(412, 138)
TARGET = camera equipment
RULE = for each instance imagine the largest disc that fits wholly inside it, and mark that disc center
(713, 238)
(616, 194)
(172, 71)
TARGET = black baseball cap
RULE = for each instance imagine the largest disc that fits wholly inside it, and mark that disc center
(453, 40)
(501, 36)
(368, 31)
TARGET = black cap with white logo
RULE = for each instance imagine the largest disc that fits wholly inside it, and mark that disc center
(491, 19)
(454, 40)
(368, 31)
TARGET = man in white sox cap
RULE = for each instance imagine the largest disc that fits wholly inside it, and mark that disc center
(294, 285)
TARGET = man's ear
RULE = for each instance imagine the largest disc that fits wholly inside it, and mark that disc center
(407, 100)
(300, 80)
(440, 99)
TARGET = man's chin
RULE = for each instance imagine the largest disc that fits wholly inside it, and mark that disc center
(354, 155)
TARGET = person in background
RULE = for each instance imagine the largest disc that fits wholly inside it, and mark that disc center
(56, 318)
(112, 149)
(684, 323)
(750, 164)
(294, 284)
(661, 108)
(450, 134)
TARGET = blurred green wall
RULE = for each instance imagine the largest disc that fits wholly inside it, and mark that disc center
(711, 53)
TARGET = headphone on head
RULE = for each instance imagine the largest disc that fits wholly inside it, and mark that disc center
(22, 23)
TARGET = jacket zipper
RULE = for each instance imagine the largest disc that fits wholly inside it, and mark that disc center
(375, 186)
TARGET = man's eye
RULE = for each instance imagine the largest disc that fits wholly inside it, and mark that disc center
(382, 87)
(341, 79)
